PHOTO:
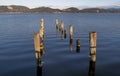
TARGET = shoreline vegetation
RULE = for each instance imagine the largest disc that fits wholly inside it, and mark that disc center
(14, 9)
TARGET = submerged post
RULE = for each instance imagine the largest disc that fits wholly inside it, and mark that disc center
(71, 31)
(93, 39)
(78, 45)
(93, 43)
(41, 28)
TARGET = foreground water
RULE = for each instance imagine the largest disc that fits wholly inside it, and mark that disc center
(17, 57)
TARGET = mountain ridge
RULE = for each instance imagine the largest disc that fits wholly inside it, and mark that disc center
(24, 9)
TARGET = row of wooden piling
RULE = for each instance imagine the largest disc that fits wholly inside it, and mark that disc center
(39, 42)
(39, 37)
(92, 41)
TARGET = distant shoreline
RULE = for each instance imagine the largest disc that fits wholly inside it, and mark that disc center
(13, 9)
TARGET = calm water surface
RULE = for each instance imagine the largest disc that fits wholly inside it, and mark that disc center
(17, 56)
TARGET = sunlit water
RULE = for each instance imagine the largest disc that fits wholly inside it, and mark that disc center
(17, 56)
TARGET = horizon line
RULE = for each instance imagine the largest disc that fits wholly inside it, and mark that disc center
(65, 7)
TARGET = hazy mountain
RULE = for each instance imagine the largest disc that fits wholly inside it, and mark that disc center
(23, 9)
(14, 8)
(71, 9)
(44, 10)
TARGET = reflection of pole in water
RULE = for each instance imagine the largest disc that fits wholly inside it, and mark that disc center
(71, 47)
(92, 65)
(57, 30)
(39, 70)
(65, 33)
(39, 67)
(78, 45)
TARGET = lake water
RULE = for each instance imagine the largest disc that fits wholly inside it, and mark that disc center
(17, 56)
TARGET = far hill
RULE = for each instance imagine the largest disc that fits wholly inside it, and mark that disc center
(72, 10)
(45, 10)
(14, 8)
(100, 10)
(22, 9)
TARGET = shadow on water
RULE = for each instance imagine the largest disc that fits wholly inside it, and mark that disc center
(39, 67)
(71, 46)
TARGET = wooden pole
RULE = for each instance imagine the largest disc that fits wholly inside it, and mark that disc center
(92, 39)
(41, 28)
(37, 45)
(78, 45)
(36, 42)
(71, 32)
(93, 58)
(93, 43)
(42, 22)
(56, 21)
(61, 27)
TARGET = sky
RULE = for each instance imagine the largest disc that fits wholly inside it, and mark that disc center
(61, 4)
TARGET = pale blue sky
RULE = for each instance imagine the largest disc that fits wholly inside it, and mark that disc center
(60, 3)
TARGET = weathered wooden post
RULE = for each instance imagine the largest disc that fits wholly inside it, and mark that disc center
(78, 45)
(37, 45)
(93, 40)
(42, 28)
(62, 26)
(42, 51)
(56, 21)
(93, 43)
(71, 31)
(71, 36)
(42, 22)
